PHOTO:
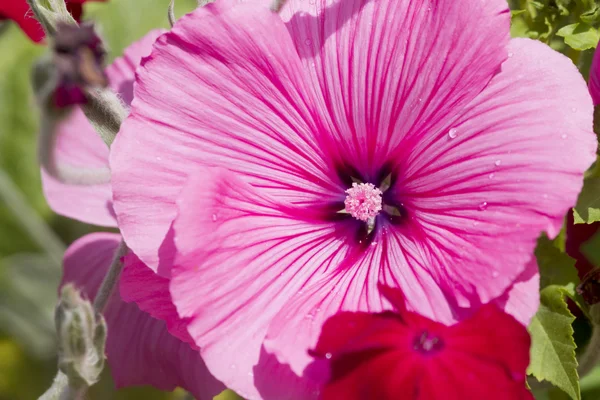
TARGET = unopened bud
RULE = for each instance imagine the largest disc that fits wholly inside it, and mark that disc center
(79, 61)
(81, 338)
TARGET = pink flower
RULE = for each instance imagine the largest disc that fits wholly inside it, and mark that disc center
(142, 348)
(404, 355)
(248, 128)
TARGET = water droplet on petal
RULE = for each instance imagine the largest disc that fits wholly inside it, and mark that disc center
(574, 109)
(563, 136)
(497, 163)
(495, 274)
(214, 217)
(482, 206)
(510, 54)
(452, 133)
(491, 176)
(545, 195)
(308, 42)
(328, 356)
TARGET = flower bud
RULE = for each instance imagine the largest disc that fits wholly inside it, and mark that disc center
(81, 338)
(79, 61)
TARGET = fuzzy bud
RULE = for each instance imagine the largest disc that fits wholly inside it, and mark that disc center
(81, 338)
(79, 61)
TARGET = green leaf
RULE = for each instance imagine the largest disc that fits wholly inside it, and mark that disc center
(580, 36)
(552, 345)
(556, 267)
(587, 209)
(591, 16)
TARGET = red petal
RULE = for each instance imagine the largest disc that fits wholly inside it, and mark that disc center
(76, 10)
(375, 375)
(494, 336)
(18, 11)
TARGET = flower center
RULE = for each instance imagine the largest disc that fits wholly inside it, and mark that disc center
(363, 201)
(428, 343)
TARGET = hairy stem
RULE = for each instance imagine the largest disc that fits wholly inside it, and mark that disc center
(106, 112)
(277, 5)
(111, 278)
(171, 13)
(60, 390)
(65, 173)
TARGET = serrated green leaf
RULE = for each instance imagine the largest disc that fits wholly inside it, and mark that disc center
(580, 36)
(552, 345)
(558, 268)
(587, 209)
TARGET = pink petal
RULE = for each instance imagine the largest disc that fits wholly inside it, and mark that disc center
(141, 285)
(522, 299)
(242, 257)
(482, 198)
(79, 145)
(140, 350)
(121, 73)
(229, 95)
(389, 72)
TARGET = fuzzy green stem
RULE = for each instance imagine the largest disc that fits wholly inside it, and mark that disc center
(277, 5)
(171, 13)
(64, 173)
(60, 390)
(111, 279)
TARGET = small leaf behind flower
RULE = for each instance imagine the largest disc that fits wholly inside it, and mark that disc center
(552, 344)
(580, 36)
(587, 209)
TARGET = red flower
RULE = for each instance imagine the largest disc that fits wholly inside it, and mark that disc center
(402, 354)
(18, 11)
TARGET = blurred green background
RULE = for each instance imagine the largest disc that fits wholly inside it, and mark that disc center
(32, 237)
